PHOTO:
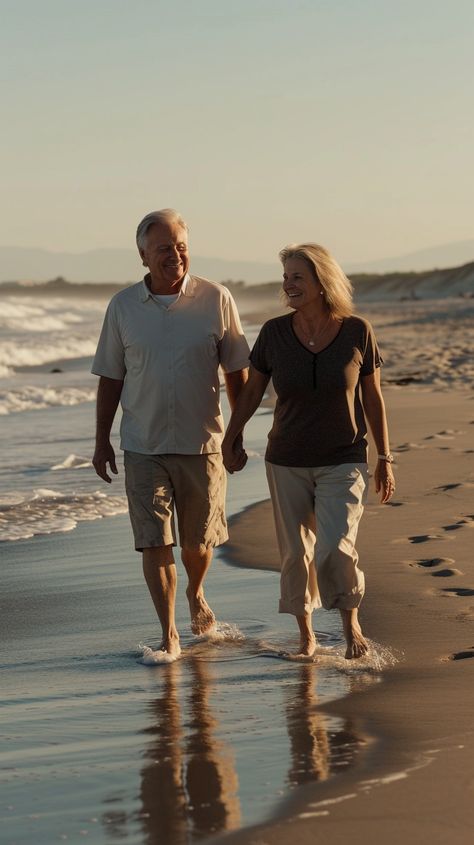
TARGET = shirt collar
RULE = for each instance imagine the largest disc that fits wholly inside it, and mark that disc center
(186, 289)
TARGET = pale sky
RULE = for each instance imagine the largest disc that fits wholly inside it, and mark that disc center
(348, 122)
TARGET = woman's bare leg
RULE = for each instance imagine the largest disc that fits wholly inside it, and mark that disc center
(356, 643)
(307, 636)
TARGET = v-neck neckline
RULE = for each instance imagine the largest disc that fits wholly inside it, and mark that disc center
(310, 351)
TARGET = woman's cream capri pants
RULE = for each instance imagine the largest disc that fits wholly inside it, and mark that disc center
(317, 512)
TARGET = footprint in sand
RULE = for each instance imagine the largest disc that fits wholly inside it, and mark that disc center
(446, 434)
(454, 486)
(446, 487)
(463, 655)
(458, 591)
(462, 523)
(405, 447)
(465, 522)
(429, 563)
(424, 538)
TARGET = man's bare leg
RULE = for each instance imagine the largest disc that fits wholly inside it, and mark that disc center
(160, 575)
(356, 643)
(197, 563)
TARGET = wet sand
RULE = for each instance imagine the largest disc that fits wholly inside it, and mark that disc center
(96, 744)
(416, 782)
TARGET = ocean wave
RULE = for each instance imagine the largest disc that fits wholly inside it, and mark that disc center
(73, 462)
(31, 398)
(15, 315)
(14, 354)
(48, 512)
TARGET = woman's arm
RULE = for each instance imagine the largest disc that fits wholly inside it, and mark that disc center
(247, 403)
(374, 409)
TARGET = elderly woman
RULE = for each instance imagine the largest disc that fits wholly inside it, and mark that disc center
(325, 367)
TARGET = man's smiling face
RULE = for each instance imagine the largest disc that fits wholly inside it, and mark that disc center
(166, 254)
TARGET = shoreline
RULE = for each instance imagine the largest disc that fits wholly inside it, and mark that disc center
(420, 601)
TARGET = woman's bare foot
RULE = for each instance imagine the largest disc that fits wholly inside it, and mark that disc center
(202, 617)
(357, 645)
(307, 637)
(306, 649)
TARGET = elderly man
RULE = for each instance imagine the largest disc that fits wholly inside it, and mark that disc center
(159, 352)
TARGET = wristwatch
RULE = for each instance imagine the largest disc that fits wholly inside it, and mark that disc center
(389, 458)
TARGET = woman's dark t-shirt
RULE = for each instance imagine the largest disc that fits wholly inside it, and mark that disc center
(319, 419)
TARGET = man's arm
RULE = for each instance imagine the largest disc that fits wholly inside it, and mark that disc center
(234, 383)
(250, 397)
(108, 398)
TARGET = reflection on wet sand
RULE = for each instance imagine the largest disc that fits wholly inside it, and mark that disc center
(316, 751)
(189, 787)
(309, 746)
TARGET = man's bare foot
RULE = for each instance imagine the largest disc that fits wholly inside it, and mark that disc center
(357, 645)
(168, 651)
(202, 617)
(170, 646)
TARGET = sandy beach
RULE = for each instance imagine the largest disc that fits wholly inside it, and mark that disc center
(415, 783)
(231, 744)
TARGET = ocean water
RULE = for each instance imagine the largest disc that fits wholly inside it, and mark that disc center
(95, 744)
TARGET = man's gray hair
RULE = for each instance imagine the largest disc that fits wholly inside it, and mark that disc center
(164, 215)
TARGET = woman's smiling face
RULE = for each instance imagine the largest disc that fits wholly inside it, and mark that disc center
(299, 283)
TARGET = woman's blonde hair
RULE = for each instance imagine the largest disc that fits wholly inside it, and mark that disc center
(334, 282)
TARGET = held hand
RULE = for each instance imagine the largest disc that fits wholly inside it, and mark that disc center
(384, 481)
(103, 455)
(234, 455)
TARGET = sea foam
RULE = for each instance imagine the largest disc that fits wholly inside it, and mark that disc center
(47, 512)
(73, 462)
(31, 398)
(18, 313)
(28, 354)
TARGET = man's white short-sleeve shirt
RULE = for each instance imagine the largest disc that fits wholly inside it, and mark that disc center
(168, 358)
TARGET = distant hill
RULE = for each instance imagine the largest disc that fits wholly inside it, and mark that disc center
(123, 265)
(368, 287)
(447, 255)
(117, 265)
(430, 284)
